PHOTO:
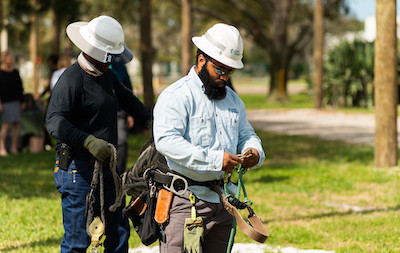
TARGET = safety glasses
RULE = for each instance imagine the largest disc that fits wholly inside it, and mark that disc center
(221, 70)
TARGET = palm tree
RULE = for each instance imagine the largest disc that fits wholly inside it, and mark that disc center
(385, 84)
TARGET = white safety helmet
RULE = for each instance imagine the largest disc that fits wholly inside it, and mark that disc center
(223, 43)
(102, 39)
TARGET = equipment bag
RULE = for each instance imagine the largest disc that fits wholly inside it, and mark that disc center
(141, 212)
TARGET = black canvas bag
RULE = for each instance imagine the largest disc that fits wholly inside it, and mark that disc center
(141, 212)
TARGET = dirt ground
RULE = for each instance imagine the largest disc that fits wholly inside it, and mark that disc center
(331, 125)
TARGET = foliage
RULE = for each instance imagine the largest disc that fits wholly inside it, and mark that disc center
(282, 28)
(349, 74)
(66, 10)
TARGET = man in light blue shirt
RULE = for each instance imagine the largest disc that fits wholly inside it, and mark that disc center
(200, 126)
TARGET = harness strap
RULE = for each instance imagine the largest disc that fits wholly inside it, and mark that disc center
(163, 178)
(255, 231)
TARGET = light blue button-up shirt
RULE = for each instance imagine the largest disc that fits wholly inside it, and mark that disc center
(193, 132)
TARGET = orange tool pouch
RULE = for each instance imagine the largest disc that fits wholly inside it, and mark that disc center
(164, 200)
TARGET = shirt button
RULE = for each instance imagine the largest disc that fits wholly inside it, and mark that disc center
(216, 115)
(220, 132)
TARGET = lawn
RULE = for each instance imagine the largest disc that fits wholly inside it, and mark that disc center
(310, 194)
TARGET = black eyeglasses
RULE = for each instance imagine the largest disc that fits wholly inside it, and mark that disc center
(221, 70)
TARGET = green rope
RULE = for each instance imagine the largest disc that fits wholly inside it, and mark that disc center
(240, 186)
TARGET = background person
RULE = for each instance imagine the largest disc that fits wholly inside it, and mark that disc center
(200, 125)
(11, 102)
(82, 114)
(63, 63)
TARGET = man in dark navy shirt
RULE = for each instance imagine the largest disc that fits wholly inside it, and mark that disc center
(82, 116)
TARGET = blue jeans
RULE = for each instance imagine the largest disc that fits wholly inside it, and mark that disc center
(74, 185)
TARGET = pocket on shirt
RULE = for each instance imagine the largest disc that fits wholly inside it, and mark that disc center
(233, 123)
(200, 131)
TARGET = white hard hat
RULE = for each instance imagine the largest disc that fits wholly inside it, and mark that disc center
(223, 43)
(102, 39)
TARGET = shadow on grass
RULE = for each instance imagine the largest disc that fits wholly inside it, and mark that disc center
(35, 244)
(336, 213)
(270, 179)
(27, 175)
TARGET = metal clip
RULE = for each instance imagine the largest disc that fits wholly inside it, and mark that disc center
(94, 249)
(176, 179)
(153, 189)
(146, 174)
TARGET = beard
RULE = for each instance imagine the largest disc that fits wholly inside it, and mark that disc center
(212, 91)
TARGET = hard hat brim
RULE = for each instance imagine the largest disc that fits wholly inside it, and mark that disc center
(122, 55)
(205, 46)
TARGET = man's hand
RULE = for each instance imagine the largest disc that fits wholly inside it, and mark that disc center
(97, 147)
(250, 158)
(230, 162)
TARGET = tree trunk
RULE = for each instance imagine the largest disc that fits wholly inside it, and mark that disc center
(55, 43)
(279, 55)
(385, 83)
(186, 35)
(33, 48)
(318, 52)
(279, 75)
(146, 51)
(2, 26)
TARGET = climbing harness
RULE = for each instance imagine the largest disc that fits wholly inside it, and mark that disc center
(96, 226)
(255, 229)
(151, 173)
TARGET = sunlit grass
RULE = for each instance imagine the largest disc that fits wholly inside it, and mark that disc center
(301, 193)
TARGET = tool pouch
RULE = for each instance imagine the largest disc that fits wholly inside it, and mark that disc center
(64, 157)
(164, 200)
(141, 212)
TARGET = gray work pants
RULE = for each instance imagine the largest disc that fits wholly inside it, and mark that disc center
(217, 225)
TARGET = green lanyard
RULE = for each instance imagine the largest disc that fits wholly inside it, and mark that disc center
(240, 186)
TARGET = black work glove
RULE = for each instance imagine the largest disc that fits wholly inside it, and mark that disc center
(97, 147)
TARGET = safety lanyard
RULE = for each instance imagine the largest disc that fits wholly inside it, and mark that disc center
(240, 186)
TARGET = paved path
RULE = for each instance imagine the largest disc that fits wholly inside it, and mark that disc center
(331, 125)
(244, 248)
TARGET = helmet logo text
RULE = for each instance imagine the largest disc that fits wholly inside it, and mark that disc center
(235, 52)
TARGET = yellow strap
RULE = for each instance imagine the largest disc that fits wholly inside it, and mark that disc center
(192, 199)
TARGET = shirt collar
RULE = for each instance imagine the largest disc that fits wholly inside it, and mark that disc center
(195, 78)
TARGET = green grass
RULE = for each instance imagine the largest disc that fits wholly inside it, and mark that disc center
(297, 193)
(259, 101)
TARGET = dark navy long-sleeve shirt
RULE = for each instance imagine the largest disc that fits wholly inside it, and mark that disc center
(82, 104)
(11, 88)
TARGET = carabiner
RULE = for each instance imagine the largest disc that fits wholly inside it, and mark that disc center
(176, 179)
